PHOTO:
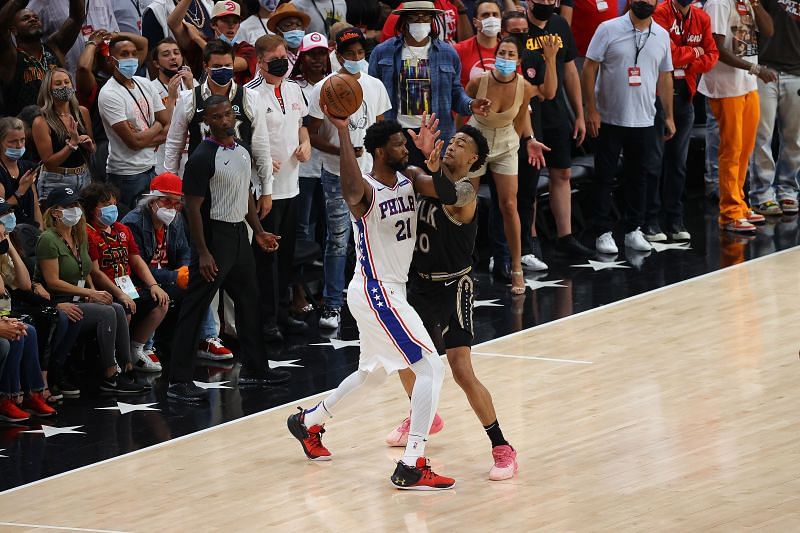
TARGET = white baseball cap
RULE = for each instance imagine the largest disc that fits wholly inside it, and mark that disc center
(313, 40)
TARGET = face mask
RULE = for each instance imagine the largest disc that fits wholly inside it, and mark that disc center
(354, 67)
(278, 67)
(108, 215)
(543, 11)
(15, 153)
(419, 30)
(63, 94)
(166, 216)
(168, 72)
(222, 76)
(490, 26)
(10, 222)
(294, 37)
(269, 5)
(224, 38)
(642, 10)
(71, 216)
(128, 67)
(505, 66)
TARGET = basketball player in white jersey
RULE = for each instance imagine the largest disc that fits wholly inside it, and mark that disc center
(383, 211)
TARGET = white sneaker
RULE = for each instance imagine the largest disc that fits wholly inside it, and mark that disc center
(145, 364)
(635, 240)
(330, 317)
(605, 244)
(531, 262)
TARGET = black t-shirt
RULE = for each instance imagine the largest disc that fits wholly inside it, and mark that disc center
(25, 205)
(533, 70)
(554, 112)
(23, 89)
(782, 50)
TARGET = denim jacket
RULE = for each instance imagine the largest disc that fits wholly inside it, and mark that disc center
(447, 94)
(178, 250)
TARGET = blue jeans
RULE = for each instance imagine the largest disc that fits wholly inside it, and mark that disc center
(308, 205)
(337, 219)
(132, 186)
(22, 365)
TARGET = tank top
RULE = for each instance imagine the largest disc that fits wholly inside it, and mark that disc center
(385, 235)
(503, 118)
(75, 158)
(444, 245)
(244, 118)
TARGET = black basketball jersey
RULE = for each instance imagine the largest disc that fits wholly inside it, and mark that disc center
(244, 119)
(444, 245)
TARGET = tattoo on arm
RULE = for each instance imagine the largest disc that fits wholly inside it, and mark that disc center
(465, 194)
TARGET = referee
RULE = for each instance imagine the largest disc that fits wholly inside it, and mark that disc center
(216, 187)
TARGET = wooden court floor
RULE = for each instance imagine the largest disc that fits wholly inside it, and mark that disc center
(677, 411)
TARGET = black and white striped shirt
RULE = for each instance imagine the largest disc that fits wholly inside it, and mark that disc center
(221, 175)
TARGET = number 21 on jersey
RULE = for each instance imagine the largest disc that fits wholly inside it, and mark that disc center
(403, 229)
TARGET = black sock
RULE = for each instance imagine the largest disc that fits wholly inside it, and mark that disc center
(495, 434)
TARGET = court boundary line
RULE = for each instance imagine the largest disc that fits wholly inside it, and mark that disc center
(533, 358)
(503, 337)
(62, 528)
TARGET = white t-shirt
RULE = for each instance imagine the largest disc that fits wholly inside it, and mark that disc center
(376, 102)
(313, 167)
(725, 81)
(415, 86)
(138, 107)
(252, 28)
(163, 92)
(283, 124)
(320, 10)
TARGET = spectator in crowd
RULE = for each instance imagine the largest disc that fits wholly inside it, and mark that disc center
(477, 52)
(325, 138)
(173, 77)
(17, 176)
(154, 19)
(135, 120)
(508, 120)
(160, 232)
(694, 52)
(27, 115)
(218, 201)
(422, 74)
(225, 19)
(291, 24)
(21, 367)
(64, 267)
(255, 25)
(129, 14)
(23, 66)
(453, 23)
(556, 131)
(587, 15)
(95, 68)
(285, 109)
(368, 16)
(63, 135)
(323, 13)
(632, 57)
(781, 101)
(733, 96)
(116, 263)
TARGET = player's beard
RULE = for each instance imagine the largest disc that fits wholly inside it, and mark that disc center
(399, 165)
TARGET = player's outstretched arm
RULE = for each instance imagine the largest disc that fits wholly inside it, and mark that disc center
(355, 190)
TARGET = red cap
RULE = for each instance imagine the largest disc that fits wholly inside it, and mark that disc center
(166, 183)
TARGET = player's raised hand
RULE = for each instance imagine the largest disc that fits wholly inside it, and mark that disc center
(434, 160)
(428, 133)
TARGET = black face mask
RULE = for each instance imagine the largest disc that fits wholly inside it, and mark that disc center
(4, 247)
(642, 10)
(278, 67)
(169, 72)
(543, 11)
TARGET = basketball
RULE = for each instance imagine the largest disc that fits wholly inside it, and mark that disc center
(342, 94)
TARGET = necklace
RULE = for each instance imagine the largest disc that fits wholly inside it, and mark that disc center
(198, 18)
(501, 81)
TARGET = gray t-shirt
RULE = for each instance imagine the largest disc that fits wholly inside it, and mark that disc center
(323, 13)
(614, 46)
(782, 50)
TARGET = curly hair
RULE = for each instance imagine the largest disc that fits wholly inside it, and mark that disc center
(378, 134)
(94, 194)
(480, 142)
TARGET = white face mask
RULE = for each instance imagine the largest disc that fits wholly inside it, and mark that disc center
(490, 26)
(419, 30)
(71, 216)
(166, 216)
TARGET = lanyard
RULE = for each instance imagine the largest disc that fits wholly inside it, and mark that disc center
(480, 55)
(262, 24)
(76, 254)
(644, 42)
(135, 101)
(138, 9)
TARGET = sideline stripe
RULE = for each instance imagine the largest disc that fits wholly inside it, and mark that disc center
(61, 528)
(534, 357)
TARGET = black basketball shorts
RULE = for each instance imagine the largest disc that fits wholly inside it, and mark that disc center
(446, 304)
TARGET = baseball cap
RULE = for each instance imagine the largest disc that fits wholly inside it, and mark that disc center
(313, 40)
(348, 36)
(62, 197)
(166, 183)
(226, 7)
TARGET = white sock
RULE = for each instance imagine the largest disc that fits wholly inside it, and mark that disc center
(424, 400)
(317, 415)
(414, 449)
(137, 350)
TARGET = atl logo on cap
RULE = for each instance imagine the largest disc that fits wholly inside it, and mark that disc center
(230, 6)
(316, 37)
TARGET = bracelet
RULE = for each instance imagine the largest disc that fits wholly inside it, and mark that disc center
(73, 147)
(91, 42)
(755, 69)
(528, 138)
(153, 285)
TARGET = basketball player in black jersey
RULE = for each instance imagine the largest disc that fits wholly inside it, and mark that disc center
(441, 287)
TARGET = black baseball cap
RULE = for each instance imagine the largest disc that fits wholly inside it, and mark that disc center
(5, 207)
(348, 36)
(63, 197)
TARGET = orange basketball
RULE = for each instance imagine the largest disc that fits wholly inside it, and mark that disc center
(342, 94)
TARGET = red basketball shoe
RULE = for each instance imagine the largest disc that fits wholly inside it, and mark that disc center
(310, 438)
(420, 477)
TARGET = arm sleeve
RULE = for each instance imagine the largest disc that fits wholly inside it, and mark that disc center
(719, 13)
(314, 109)
(47, 247)
(112, 107)
(706, 62)
(666, 59)
(570, 49)
(460, 99)
(199, 169)
(260, 145)
(598, 45)
(176, 136)
(155, 98)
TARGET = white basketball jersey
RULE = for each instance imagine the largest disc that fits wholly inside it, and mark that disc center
(386, 234)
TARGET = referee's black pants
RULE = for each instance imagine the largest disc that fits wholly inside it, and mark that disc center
(230, 246)
(274, 270)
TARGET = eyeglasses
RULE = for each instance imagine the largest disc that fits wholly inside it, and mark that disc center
(419, 16)
(170, 204)
(290, 24)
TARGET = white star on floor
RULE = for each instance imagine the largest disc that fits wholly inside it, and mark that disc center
(212, 385)
(125, 408)
(286, 364)
(601, 265)
(487, 303)
(51, 431)
(536, 284)
(660, 247)
(2, 450)
(338, 344)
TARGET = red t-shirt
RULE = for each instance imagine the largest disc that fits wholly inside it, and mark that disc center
(450, 21)
(247, 52)
(586, 17)
(111, 250)
(475, 59)
(159, 259)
